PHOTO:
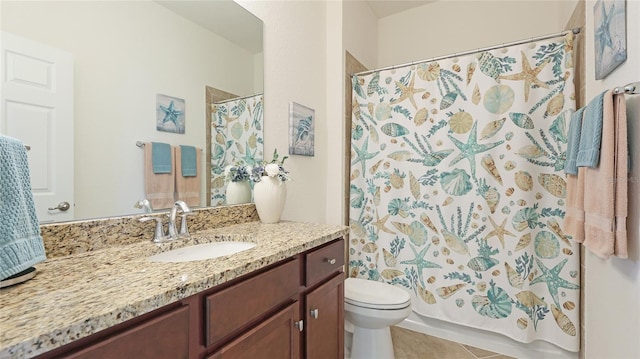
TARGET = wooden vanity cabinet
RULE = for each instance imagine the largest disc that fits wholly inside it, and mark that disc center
(324, 302)
(291, 309)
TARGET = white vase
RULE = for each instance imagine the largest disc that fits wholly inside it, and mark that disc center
(269, 196)
(238, 192)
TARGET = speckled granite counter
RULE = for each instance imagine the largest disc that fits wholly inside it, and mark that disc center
(77, 295)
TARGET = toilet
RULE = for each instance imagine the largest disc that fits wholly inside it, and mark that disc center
(372, 307)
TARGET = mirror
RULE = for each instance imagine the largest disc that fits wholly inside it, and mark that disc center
(125, 53)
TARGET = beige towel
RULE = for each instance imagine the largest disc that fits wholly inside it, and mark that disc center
(602, 191)
(574, 218)
(159, 187)
(187, 188)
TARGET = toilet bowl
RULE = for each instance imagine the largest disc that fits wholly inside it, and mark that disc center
(372, 307)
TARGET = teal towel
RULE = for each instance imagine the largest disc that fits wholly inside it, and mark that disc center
(188, 159)
(591, 137)
(161, 157)
(21, 244)
(573, 142)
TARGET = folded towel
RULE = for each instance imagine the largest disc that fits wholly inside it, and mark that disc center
(188, 158)
(159, 187)
(573, 144)
(21, 244)
(188, 188)
(161, 157)
(591, 136)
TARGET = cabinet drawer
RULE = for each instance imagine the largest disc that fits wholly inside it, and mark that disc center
(324, 261)
(233, 308)
(166, 336)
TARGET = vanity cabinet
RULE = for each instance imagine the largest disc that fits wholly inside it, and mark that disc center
(291, 309)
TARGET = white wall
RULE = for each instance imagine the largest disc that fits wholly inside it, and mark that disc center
(447, 27)
(612, 287)
(360, 33)
(125, 53)
(295, 66)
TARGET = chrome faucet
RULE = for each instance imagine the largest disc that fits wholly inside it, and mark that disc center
(173, 231)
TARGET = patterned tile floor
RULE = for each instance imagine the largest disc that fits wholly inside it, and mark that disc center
(408, 344)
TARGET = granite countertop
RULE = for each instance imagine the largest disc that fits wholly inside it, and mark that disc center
(74, 296)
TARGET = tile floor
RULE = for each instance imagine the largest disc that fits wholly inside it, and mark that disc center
(408, 344)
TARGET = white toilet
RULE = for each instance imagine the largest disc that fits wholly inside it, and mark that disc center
(372, 307)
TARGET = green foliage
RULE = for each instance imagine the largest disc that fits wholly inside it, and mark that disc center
(552, 212)
(485, 250)
(460, 276)
(437, 127)
(524, 265)
(396, 246)
(406, 113)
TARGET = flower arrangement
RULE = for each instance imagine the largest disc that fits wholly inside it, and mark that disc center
(237, 173)
(271, 169)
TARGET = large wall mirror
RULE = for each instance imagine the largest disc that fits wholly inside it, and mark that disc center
(125, 53)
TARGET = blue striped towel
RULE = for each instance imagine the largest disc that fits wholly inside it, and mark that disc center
(573, 142)
(161, 157)
(591, 137)
(21, 244)
(188, 159)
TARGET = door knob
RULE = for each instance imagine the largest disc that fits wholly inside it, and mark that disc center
(62, 206)
(314, 313)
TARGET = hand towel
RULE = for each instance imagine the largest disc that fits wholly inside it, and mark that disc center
(573, 143)
(605, 187)
(159, 187)
(188, 188)
(188, 158)
(161, 157)
(591, 136)
(21, 244)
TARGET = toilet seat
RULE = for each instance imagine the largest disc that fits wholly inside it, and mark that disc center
(374, 295)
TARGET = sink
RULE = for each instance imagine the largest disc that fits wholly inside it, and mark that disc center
(199, 252)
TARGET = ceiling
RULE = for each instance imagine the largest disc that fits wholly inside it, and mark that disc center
(384, 8)
(229, 20)
(223, 17)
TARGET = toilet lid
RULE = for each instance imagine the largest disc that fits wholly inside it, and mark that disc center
(372, 294)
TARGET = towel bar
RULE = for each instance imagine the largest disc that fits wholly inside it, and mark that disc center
(629, 89)
(140, 144)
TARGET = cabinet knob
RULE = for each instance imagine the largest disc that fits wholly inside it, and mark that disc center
(314, 313)
(299, 324)
(331, 260)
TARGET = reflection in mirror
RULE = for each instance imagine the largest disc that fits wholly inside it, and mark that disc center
(125, 53)
(235, 138)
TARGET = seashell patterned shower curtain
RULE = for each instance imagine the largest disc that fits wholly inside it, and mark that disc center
(237, 137)
(457, 189)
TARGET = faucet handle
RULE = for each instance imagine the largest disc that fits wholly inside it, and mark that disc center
(184, 231)
(158, 235)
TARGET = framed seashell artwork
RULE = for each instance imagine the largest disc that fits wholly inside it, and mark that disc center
(302, 129)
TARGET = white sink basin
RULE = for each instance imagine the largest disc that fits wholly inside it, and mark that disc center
(202, 251)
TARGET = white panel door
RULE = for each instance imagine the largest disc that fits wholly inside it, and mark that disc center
(37, 108)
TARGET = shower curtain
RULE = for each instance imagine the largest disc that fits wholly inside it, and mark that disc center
(457, 189)
(237, 137)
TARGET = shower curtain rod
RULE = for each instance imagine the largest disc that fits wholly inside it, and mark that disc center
(456, 54)
(236, 98)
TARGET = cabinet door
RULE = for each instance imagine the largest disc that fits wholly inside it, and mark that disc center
(325, 320)
(276, 337)
(166, 336)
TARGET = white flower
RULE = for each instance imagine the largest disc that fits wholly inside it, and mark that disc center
(272, 169)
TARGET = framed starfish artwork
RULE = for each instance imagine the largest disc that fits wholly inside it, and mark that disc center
(610, 39)
(170, 114)
(301, 130)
